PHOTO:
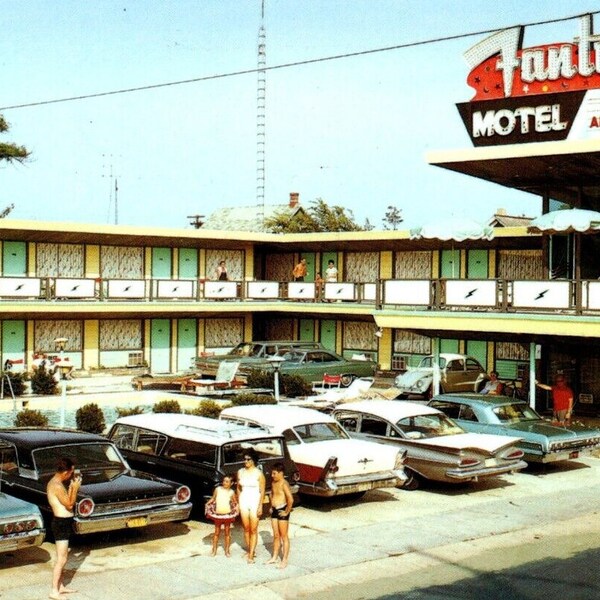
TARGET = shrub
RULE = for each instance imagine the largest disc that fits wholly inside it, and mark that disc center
(90, 418)
(17, 383)
(126, 412)
(260, 379)
(43, 382)
(294, 386)
(249, 399)
(31, 418)
(166, 406)
(206, 408)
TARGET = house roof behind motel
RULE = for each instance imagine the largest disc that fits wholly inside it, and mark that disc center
(247, 218)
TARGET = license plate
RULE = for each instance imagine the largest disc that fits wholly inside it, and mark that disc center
(138, 522)
(490, 462)
(574, 454)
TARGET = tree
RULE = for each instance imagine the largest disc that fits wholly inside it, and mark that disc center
(393, 218)
(318, 217)
(11, 152)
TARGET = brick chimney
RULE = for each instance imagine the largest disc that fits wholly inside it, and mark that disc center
(294, 199)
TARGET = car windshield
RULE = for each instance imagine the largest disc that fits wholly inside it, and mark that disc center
(85, 456)
(428, 426)
(290, 355)
(515, 413)
(246, 349)
(318, 432)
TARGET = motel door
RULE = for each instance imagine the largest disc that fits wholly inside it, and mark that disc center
(13, 342)
(188, 263)
(14, 258)
(450, 267)
(307, 330)
(477, 264)
(161, 263)
(160, 346)
(325, 258)
(310, 265)
(328, 331)
(187, 330)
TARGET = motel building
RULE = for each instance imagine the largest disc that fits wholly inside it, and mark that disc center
(522, 298)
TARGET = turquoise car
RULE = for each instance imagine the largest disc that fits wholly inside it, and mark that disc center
(21, 523)
(542, 441)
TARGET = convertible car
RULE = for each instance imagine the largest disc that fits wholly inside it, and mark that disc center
(541, 441)
(437, 448)
(329, 461)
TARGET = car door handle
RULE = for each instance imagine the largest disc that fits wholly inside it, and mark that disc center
(151, 462)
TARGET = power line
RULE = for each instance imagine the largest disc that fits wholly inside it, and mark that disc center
(291, 64)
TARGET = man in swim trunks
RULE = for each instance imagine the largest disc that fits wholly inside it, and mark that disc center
(251, 495)
(281, 507)
(62, 500)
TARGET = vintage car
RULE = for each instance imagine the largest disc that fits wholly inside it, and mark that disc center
(111, 497)
(248, 354)
(197, 451)
(458, 373)
(21, 523)
(500, 415)
(329, 461)
(312, 363)
(437, 448)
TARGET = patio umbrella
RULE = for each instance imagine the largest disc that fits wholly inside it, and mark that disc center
(572, 220)
(456, 229)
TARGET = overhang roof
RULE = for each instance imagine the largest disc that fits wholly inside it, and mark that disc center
(569, 171)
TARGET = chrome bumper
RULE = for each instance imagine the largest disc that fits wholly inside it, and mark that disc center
(18, 541)
(339, 486)
(137, 518)
(570, 454)
(464, 475)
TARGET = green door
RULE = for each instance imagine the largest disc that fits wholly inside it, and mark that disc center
(188, 263)
(478, 349)
(477, 264)
(160, 346)
(450, 264)
(13, 340)
(328, 333)
(325, 258)
(186, 343)
(307, 330)
(161, 263)
(14, 258)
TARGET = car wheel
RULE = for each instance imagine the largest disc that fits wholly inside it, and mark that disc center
(346, 380)
(402, 396)
(413, 482)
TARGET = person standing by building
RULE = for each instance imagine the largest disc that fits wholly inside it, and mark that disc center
(222, 271)
(562, 399)
(331, 273)
(299, 271)
(251, 495)
(62, 499)
(282, 501)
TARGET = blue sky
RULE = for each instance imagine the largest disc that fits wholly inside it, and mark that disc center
(353, 132)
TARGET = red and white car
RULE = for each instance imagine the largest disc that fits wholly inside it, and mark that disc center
(329, 461)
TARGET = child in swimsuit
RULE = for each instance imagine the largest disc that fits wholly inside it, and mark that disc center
(281, 507)
(222, 509)
(251, 493)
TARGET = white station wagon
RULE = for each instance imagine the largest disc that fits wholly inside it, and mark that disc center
(329, 461)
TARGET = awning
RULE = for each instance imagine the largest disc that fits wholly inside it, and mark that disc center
(575, 220)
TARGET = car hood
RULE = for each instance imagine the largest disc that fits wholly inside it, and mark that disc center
(14, 507)
(555, 432)
(472, 441)
(353, 456)
(105, 485)
(412, 376)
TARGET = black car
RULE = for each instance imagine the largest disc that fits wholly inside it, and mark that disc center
(112, 495)
(198, 451)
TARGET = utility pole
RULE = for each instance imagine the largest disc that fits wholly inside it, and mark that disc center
(261, 95)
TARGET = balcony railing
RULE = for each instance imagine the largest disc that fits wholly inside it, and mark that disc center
(498, 295)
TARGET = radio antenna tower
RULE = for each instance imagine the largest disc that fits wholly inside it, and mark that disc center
(261, 94)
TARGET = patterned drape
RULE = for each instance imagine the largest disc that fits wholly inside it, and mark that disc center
(222, 333)
(45, 332)
(411, 343)
(234, 261)
(121, 262)
(59, 260)
(520, 264)
(278, 267)
(120, 334)
(361, 267)
(279, 329)
(359, 335)
(412, 265)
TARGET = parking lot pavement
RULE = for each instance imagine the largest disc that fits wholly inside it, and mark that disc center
(333, 543)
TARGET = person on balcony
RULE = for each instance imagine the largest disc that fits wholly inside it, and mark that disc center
(299, 271)
(222, 271)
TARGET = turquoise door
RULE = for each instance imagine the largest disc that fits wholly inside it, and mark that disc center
(188, 263)
(160, 346)
(186, 343)
(328, 333)
(310, 265)
(13, 340)
(477, 264)
(307, 330)
(450, 264)
(478, 349)
(161, 263)
(449, 346)
(14, 258)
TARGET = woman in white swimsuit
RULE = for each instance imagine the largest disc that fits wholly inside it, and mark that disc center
(251, 495)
